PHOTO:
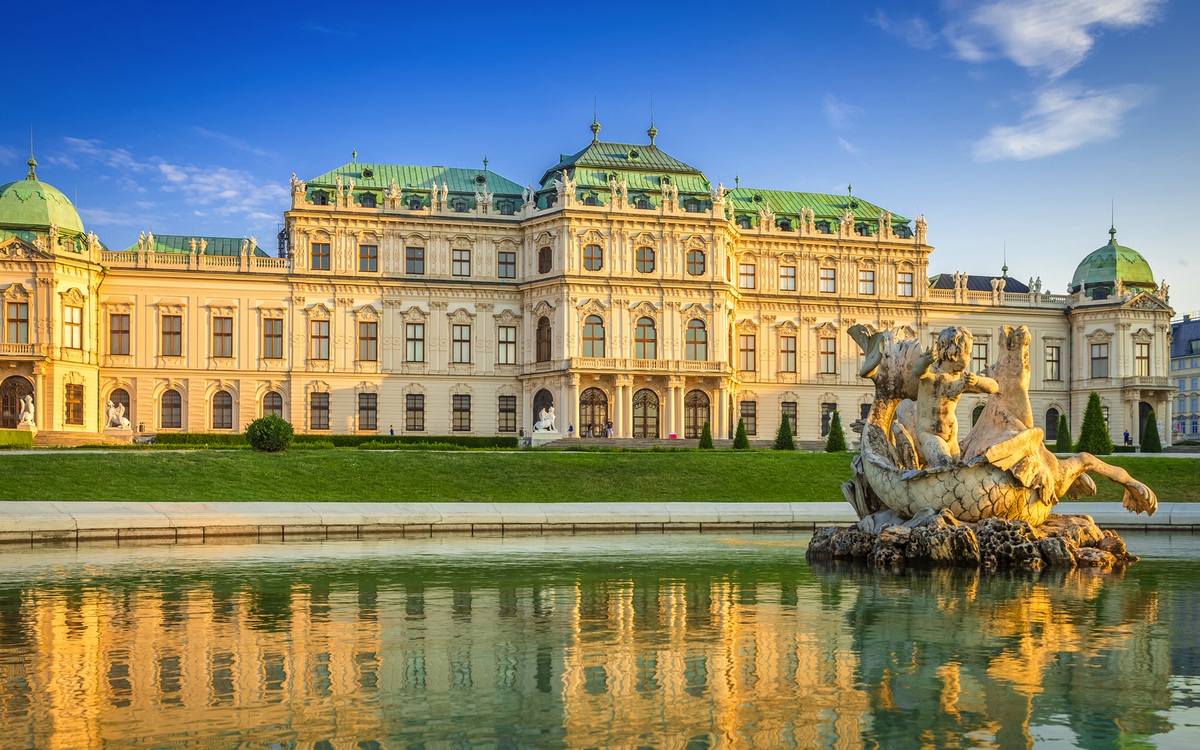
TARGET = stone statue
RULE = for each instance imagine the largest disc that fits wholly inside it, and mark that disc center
(1038, 284)
(338, 181)
(149, 242)
(53, 231)
(393, 193)
(192, 245)
(350, 187)
(1031, 283)
(115, 416)
(624, 188)
(1164, 290)
(245, 246)
(528, 194)
(612, 186)
(665, 188)
(674, 192)
(141, 242)
(545, 422)
(1119, 288)
(941, 379)
(26, 410)
(298, 187)
(93, 241)
(445, 191)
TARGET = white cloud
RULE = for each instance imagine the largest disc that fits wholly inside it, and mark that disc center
(839, 114)
(101, 217)
(7, 155)
(847, 145)
(914, 31)
(232, 142)
(1062, 118)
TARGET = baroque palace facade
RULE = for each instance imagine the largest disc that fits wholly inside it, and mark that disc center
(624, 286)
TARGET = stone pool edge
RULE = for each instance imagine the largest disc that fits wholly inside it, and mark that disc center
(35, 522)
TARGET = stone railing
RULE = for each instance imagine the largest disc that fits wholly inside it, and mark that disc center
(227, 263)
(645, 365)
(20, 350)
(1146, 381)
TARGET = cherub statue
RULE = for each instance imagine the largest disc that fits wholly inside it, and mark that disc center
(942, 379)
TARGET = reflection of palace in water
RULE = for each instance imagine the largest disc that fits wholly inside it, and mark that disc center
(747, 659)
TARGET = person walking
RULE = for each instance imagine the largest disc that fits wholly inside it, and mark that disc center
(571, 430)
(391, 429)
(610, 430)
(1128, 440)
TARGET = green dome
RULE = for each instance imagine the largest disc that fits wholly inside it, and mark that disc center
(1101, 268)
(30, 204)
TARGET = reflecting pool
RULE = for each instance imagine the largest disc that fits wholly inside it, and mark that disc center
(621, 641)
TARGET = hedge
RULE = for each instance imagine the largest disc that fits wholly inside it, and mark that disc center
(16, 439)
(339, 441)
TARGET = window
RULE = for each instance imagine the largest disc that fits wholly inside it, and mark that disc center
(593, 336)
(462, 345)
(789, 410)
(787, 354)
(645, 340)
(320, 198)
(749, 414)
(645, 259)
(273, 404)
(545, 260)
(74, 403)
(414, 260)
(367, 411)
(18, 322)
(827, 410)
(368, 258)
(507, 208)
(744, 222)
(414, 412)
(462, 413)
(785, 225)
(222, 411)
(172, 335)
(1099, 360)
(590, 200)
(366, 200)
(459, 207)
(1141, 359)
(320, 256)
(507, 266)
(746, 275)
(1195, 425)
(543, 340)
(415, 204)
(73, 327)
(461, 263)
(318, 339)
(1193, 384)
(118, 333)
(273, 338)
(222, 337)
(643, 204)
(507, 418)
(787, 278)
(506, 352)
(904, 284)
(318, 411)
(828, 280)
(171, 410)
(414, 340)
(693, 207)
(746, 359)
(695, 347)
(864, 411)
(368, 341)
(593, 258)
(1053, 363)
(866, 282)
(1105, 408)
(695, 262)
(1051, 424)
(979, 357)
(829, 356)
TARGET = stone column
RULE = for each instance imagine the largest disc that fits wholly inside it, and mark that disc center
(716, 414)
(679, 419)
(669, 412)
(627, 407)
(571, 414)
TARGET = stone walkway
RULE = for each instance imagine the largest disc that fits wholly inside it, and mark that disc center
(23, 523)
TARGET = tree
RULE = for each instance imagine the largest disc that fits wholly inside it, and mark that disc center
(783, 436)
(706, 437)
(1093, 433)
(270, 434)
(741, 441)
(836, 441)
(1150, 440)
(1063, 443)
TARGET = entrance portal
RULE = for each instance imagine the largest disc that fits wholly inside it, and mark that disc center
(543, 399)
(593, 413)
(645, 414)
(695, 413)
(12, 390)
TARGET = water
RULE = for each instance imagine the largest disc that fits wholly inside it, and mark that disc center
(679, 641)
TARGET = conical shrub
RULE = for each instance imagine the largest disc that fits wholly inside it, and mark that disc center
(836, 441)
(1093, 433)
(1063, 443)
(741, 441)
(706, 437)
(1150, 440)
(783, 436)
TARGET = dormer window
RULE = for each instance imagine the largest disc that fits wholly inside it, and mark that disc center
(367, 173)
(633, 154)
(758, 199)
(320, 198)
(863, 229)
(414, 204)
(693, 207)
(590, 200)
(744, 222)
(460, 206)
(823, 227)
(643, 204)
(367, 200)
(785, 225)
(506, 209)
(480, 180)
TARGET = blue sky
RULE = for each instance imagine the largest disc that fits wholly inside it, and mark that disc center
(1011, 124)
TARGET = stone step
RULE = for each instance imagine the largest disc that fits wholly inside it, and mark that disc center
(649, 443)
(70, 439)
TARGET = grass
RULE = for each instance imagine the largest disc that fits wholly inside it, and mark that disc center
(481, 476)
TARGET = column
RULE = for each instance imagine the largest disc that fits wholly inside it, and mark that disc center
(669, 412)
(1169, 420)
(627, 407)
(571, 413)
(679, 394)
(716, 414)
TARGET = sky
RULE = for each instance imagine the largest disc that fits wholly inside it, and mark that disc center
(1019, 128)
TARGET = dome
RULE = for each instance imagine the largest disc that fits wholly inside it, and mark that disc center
(1101, 268)
(31, 204)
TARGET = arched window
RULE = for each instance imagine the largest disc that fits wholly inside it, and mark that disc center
(367, 200)
(695, 413)
(414, 204)
(695, 262)
(590, 200)
(593, 336)
(593, 258)
(222, 411)
(545, 260)
(543, 340)
(120, 397)
(1052, 424)
(643, 204)
(646, 340)
(273, 404)
(975, 414)
(785, 225)
(645, 259)
(593, 413)
(696, 341)
(506, 209)
(645, 414)
(172, 410)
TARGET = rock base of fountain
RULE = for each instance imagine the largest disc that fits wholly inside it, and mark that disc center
(885, 539)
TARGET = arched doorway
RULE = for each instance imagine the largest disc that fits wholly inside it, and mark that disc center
(695, 413)
(12, 390)
(645, 414)
(593, 410)
(543, 399)
(1144, 410)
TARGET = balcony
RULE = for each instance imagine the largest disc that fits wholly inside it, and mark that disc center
(33, 351)
(1146, 381)
(646, 365)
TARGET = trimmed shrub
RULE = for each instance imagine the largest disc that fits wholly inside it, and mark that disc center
(1150, 440)
(836, 441)
(783, 436)
(15, 439)
(1063, 443)
(200, 438)
(270, 434)
(314, 445)
(706, 437)
(339, 441)
(741, 441)
(1093, 433)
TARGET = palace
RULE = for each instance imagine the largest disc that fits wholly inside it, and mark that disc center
(624, 287)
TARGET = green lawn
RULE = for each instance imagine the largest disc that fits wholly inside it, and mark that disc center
(370, 476)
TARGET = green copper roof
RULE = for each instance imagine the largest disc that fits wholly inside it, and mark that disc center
(621, 157)
(32, 204)
(179, 243)
(1101, 268)
(417, 178)
(788, 203)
